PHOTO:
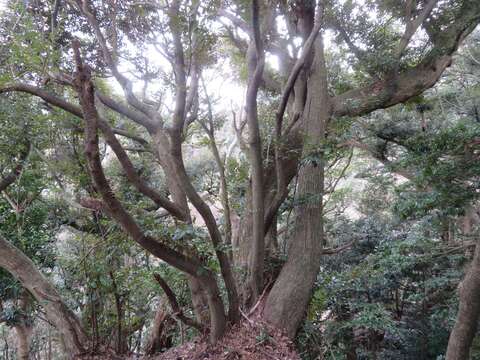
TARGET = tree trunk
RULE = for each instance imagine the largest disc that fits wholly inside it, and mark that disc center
(199, 298)
(242, 237)
(243, 241)
(199, 301)
(465, 328)
(120, 343)
(255, 61)
(289, 298)
(24, 333)
(160, 337)
(24, 270)
(24, 328)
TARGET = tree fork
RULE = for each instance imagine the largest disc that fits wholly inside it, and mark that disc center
(191, 266)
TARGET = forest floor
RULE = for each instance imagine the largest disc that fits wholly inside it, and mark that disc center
(252, 339)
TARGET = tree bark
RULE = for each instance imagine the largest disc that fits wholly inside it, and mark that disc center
(65, 321)
(466, 324)
(199, 300)
(287, 302)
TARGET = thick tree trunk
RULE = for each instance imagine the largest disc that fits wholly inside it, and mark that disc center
(243, 241)
(65, 321)
(289, 298)
(465, 328)
(242, 237)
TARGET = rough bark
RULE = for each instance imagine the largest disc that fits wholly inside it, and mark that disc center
(288, 300)
(390, 90)
(466, 324)
(64, 320)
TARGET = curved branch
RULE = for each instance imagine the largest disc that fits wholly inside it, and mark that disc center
(306, 50)
(45, 95)
(400, 87)
(132, 176)
(125, 83)
(120, 108)
(112, 141)
(189, 265)
(177, 310)
(115, 208)
(412, 25)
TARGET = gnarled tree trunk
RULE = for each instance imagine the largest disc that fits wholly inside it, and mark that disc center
(288, 300)
(65, 321)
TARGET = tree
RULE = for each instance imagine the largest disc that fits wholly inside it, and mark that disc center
(29, 235)
(392, 62)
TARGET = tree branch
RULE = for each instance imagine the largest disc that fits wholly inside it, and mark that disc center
(132, 176)
(176, 139)
(412, 25)
(400, 87)
(177, 310)
(306, 50)
(110, 138)
(85, 91)
(126, 84)
(138, 117)
(338, 249)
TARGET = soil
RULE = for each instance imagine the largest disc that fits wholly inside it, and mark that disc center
(252, 339)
